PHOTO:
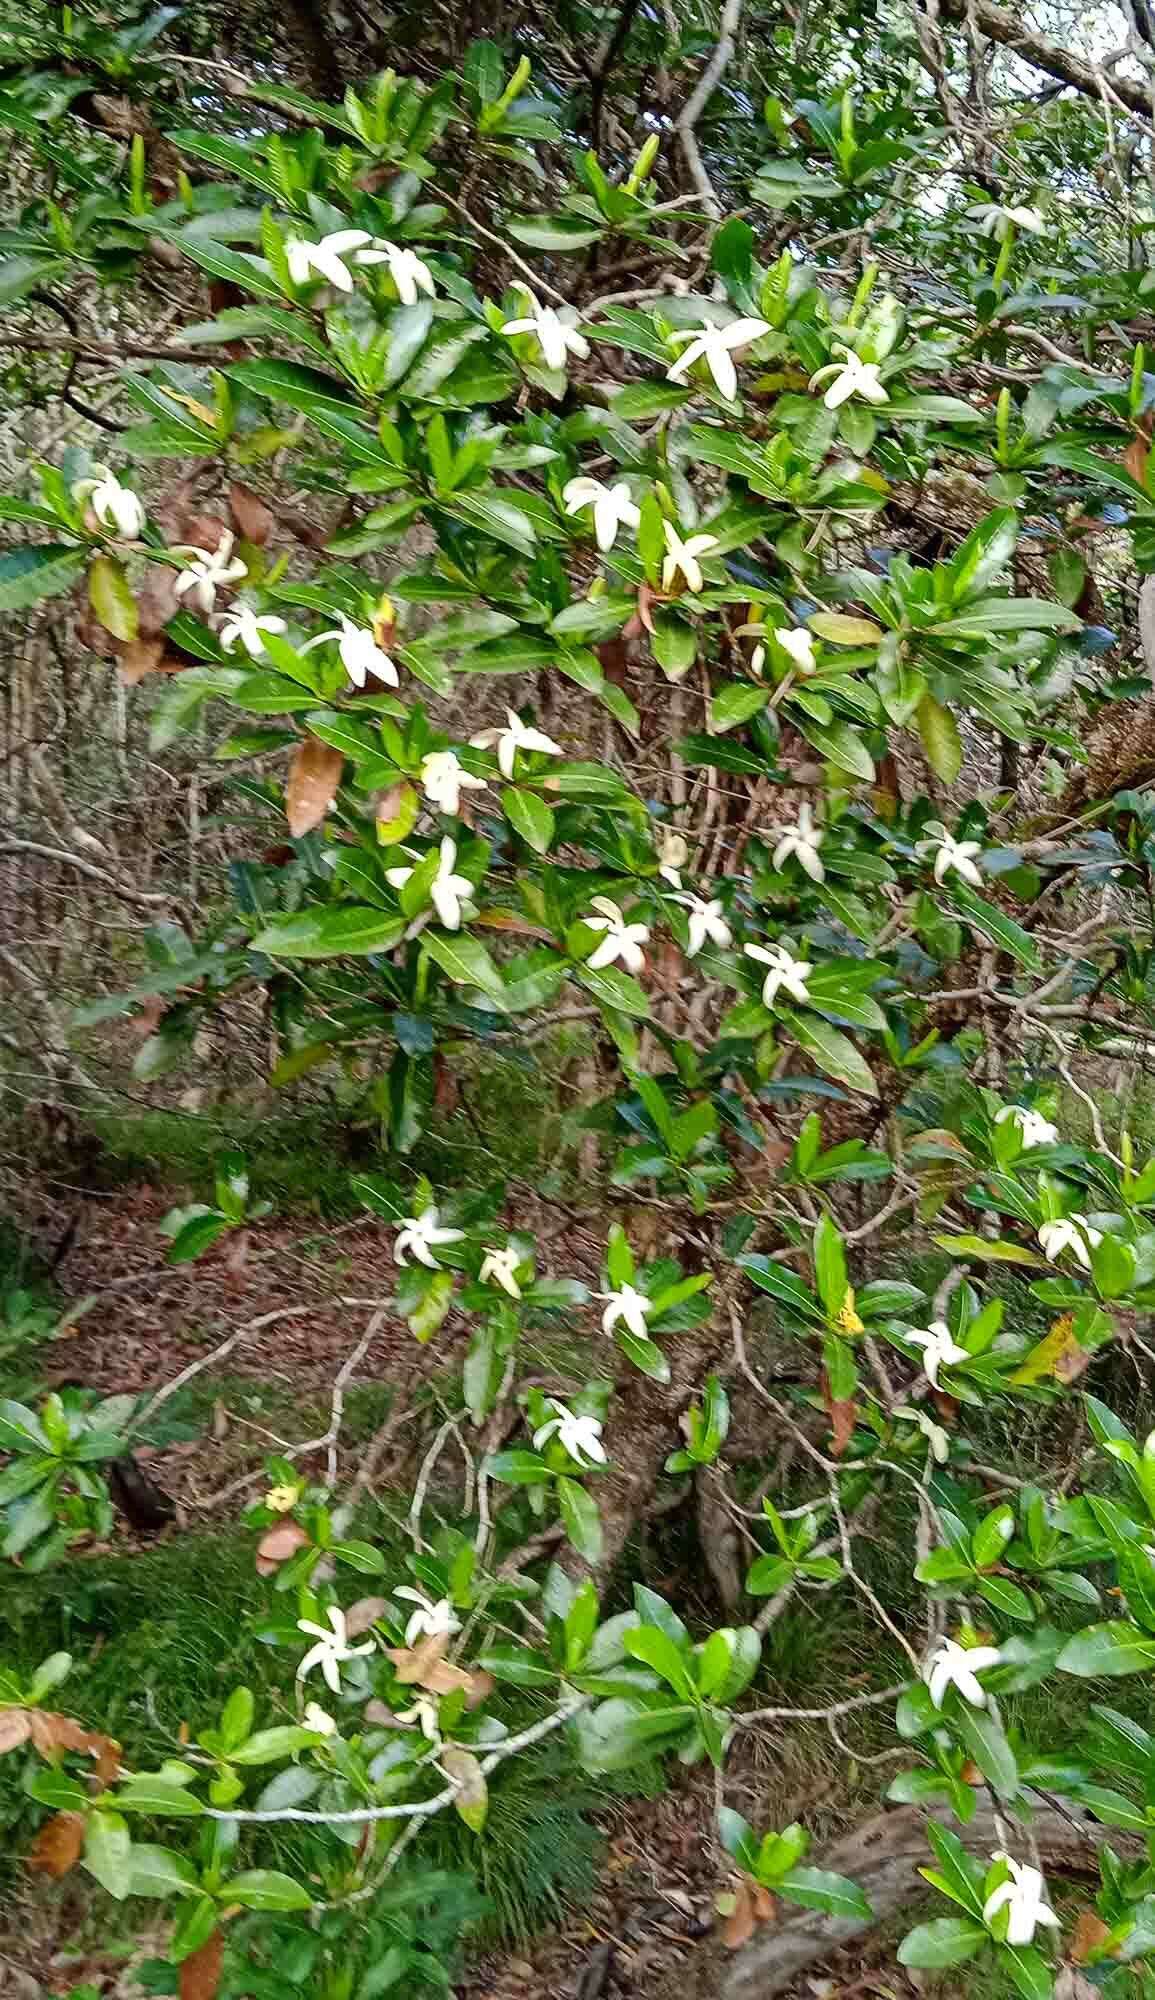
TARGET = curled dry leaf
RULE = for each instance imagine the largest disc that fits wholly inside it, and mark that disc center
(740, 1922)
(472, 1796)
(200, 1972)
(51, 1733)
(277, 1545)
(255, 521)
(15, 1728)
(842, 1412)
(314, 776)
(364, 1614)
(141, 657)
(424, 1666)
(58, 1844)
(1089, 1932)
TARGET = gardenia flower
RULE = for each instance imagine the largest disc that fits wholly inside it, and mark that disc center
(210, 571)
(580, 1436)
(621, 940)
(995, 220)
(758, 660)
(934, 1434)
(331, 1649)
(706, 922)
(683, 556)
(1034, 1129)
(425, 1712)
(952, 1665)
(421, 1234)
(406, 269)
(1022, 1897)
(318, 1719)
(613, 508)
(429, 1621)
(803, 841)
(325, 258)
(629, 1305)
(243, 627)
(447, 891)
(499, 1267)
(116, 507)
(444, 779)
(714, 345)
(672, 857)
(785, 972)
(939, 1348)
(1069, 1232)
(517, 735)
(555, 336)
(798, 644)
(950, 853)
(852, 377)
(280, 1499)
(359, 653)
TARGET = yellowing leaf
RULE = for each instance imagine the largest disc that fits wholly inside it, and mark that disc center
(472, 1796)
(1058, 1354)
(111, 598)
(848, 1320)
(844, 630)
(397, 811)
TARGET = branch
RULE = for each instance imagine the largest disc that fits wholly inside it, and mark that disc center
(1009, 30)
(146, 898)
(699, 98)
(115, 350)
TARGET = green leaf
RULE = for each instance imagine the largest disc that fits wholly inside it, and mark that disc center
(940, 738)
(580, 1518)
(342, 930)
(530, 817)
(1028, 1969)
(830, 1265)
(111, 598)
(28, 574)
(656, 1649)
(1112, 1649)
(252, 273)
(982, 1733)
(554, 232)
(158, 1795)
(820, 1889)
(362, 1556)
(518, 1468)
(463, 958)
(291, 382)
(265, 1889)
(991, 923)
(735, 703)
(518, 1665)
(993, 1249)
(947, 1941)
(157, 1871)
(833, 1051)
(108, 1852)
(614, 988)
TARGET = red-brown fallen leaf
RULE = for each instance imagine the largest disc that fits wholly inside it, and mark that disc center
(15, 1728)
(57, 1846)
(765, 1907)
(481, 1686)
(200, 1972)
(51, 1732)
(1135, 458)
(360, 1617)
(739, 1926)
(423, 1666)
(1089, 1931)
(107, 1763)
(277, 1545)
(314, 776)
(255, 521)
(842, 1412)
(141, 657)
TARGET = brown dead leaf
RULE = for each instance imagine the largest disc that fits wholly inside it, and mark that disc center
(107, 1763)
(255, 521)
(646, 601)
(15, 1728)
(764, 1905)
(139, 658)
(1135, 458)
(481, 1686)
(424, 1666)
(200, 1972)
(1089, 1931)
(471, 1800)
(1071, 1985)
(51, 1733)
(842, 1412)
(364, 1614)
(314, 776)
(740, 1924)
(58, 1844)
(277, 1545)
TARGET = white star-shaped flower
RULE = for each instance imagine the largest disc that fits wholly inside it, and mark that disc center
(1034, 1129)
(447, 891)
(426, 1715)
(613, 508)
(556, 336)
(936, 1437)
(628, 1305)
(406, 269)
(852, 377)
(116, 507)
(798, 644)
(785, 972)
(580, 1436)
(422, 1234)
(1023, 1897)
(430, 1620)
(952, 856)
(622, 940)
(516, 735)
(939, 1347)
(244, 628)
(952, 1665)
(715, 346)
(209, 571)
(1069, 1232)
(499, 1267)
(994, 219)
(682, 557)
(444, 778)
(359, 653)
(331, 1649)
(707, 923)
(318, 1719)
(803, 841)
(306, 259)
